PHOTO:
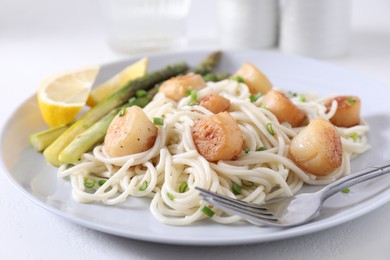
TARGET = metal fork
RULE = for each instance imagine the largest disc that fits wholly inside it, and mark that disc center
(294, 210)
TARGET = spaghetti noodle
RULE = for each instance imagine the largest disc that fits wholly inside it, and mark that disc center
(168, 172)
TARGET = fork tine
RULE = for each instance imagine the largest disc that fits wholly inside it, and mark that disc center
(231, 200)
(236, 206)
(249, 215)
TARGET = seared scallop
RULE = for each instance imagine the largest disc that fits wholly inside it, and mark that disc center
(317, 148)
(178, 87)
(348, 111)
(215, 103)
(218, 137)
(256, 80)
(282, 107)
(129, 133)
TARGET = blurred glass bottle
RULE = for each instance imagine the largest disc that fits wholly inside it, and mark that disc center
(145, 25)
(247, 24)
(315, 28)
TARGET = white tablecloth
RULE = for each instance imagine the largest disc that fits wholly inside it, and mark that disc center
(39, 38)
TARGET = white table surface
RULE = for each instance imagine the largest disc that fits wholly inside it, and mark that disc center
(39, 38)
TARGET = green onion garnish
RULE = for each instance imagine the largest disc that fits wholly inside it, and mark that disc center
(247, 183)
(170, 196)
(141, 93)
(158, 121)
(208, 212)
(236, 188)
(132, 101)
(347, 190)
(142, 101)
(302, 98)
(354, 136)
(144, 186)
(193, 98)
(270, 129)
(89, 183)
(122, 112)
(239, 79)
(292, 94)
(254, 97)
(101, 182)
(247, 151)
(351, 101)
(262, 148)
(183, 187)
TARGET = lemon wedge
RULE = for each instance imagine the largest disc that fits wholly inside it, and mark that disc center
(61, 97)
(131, 72)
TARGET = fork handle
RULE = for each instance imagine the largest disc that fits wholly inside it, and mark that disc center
(355, 178)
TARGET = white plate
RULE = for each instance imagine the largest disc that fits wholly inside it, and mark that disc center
(31, 175)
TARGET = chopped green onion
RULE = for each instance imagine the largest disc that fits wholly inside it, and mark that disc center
(270, 129)
(236, 188)
(132, 101)
(170, 196)
(217, 76)
(158, 121)
(101, 182)
(183, 187)
(292, 94)
(239, 79)
(254, 97)
(347, 190)
(142, 101)
(262, 148)
(209, 77)
(89, 183)
(144, 186)
(351, 101)
(122, 112)
(193, 95)
(247, 183)
(141, 93)
(354, 136)
(302, 98)
(247, 151)
(193, 98)
(208, 212)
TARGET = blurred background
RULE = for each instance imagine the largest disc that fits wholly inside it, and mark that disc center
(45, 31)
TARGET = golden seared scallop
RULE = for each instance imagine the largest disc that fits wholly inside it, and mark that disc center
(215, 103)
(218, 137)
(348, 111)
(129, 133)
(177, 88)
(282, 107)
(254, 78)
(317, 148)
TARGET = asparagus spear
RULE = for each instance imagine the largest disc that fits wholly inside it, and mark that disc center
(87, 139)
(208, 64)
(113, 101)
(217, 76)
(39, 141)
(96, 133)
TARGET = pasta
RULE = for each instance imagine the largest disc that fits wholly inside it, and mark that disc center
(168, 172)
